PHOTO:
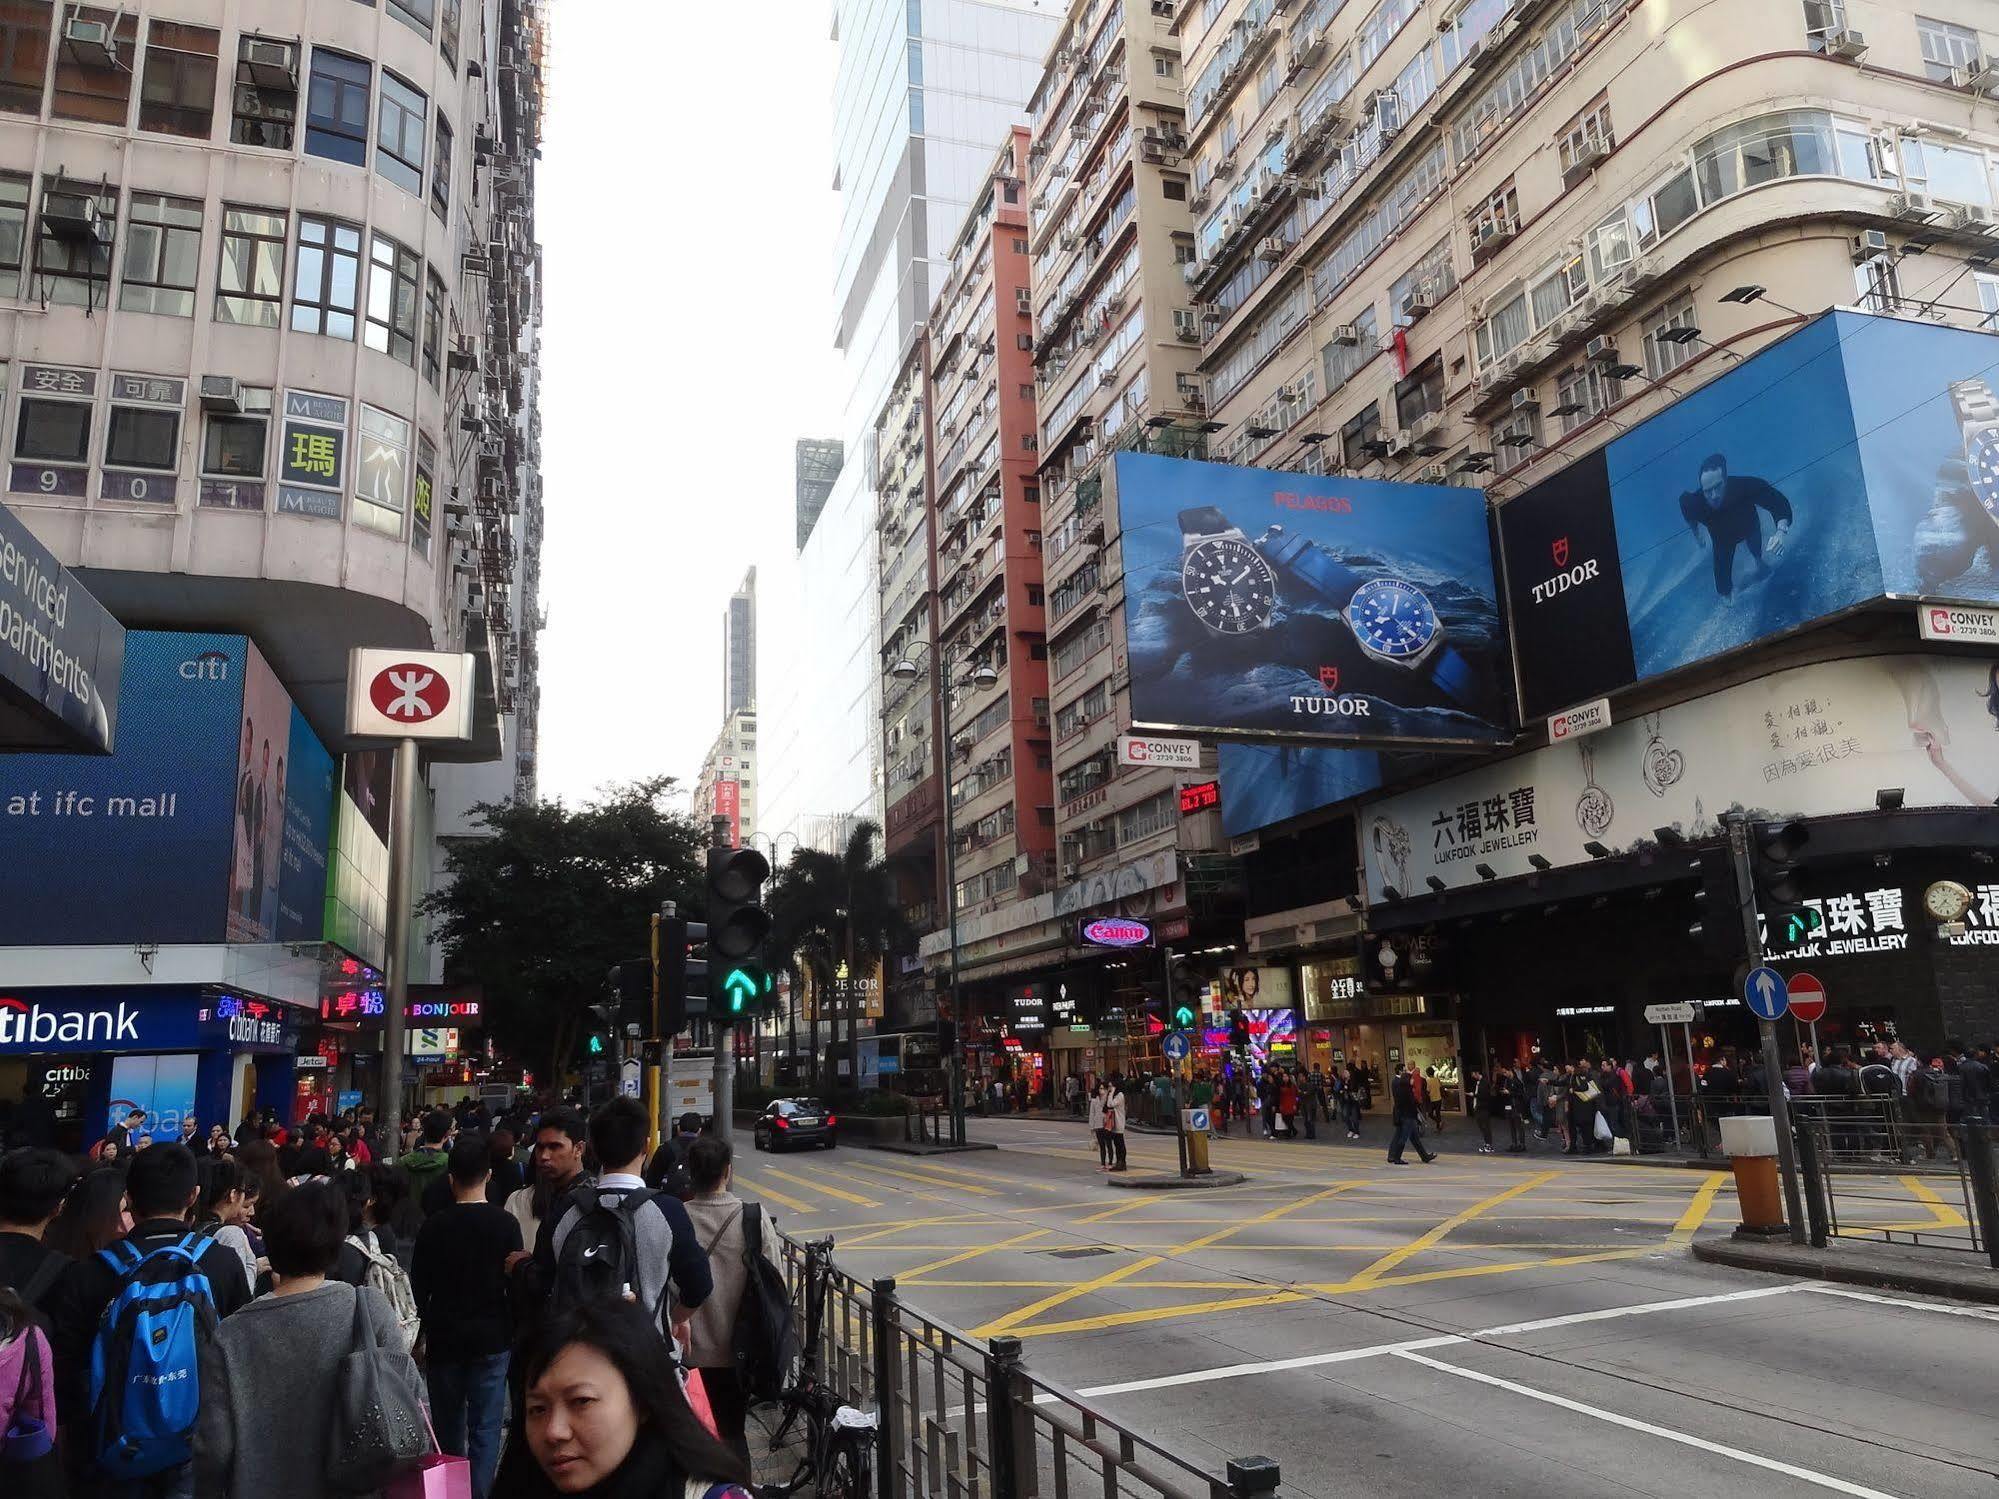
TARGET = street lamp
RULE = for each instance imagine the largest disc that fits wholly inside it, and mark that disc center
(980, 677)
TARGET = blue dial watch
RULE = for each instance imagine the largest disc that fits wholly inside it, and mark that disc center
(1393, 621)
(1978, 418)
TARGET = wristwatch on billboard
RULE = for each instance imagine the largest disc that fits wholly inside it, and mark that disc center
(1978, 419)
(1393, 621)
(1229, 585)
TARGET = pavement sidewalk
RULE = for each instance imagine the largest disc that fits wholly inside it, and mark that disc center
(1959, 1275)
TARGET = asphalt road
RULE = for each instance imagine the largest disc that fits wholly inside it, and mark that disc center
(1486, 1325)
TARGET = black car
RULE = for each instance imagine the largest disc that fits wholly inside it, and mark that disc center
(789, 1122)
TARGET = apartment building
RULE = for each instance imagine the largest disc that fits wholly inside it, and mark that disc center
(726, 786)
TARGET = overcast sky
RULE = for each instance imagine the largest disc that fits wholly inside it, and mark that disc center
(687, 216)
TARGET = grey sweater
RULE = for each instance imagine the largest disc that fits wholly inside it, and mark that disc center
(267, 1392)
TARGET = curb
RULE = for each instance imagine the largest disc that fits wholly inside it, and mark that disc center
(1177, 1183)
(918, 1147)
(1820, 1264)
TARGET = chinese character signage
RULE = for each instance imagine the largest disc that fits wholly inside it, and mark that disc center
(1812, 741)
(424, 498)
(312, 455)
(1285, 606)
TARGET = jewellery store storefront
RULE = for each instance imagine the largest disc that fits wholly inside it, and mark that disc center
(1349, 1022)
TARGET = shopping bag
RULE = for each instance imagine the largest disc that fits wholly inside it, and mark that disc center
(438, 1476)
(1603, 1131)
(697, 1398)
(1620, 1146)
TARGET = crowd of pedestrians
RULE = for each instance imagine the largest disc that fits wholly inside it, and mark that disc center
(272, 1311)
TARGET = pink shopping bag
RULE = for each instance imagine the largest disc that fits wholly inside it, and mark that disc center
(439, 1476)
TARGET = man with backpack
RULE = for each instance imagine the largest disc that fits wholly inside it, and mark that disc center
(33, 1184)
(668, 1172)
(740, 1338)
(130, 1325)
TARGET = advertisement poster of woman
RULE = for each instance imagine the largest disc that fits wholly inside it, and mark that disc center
(259, 812)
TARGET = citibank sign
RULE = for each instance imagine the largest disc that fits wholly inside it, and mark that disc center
(24, 1024)
(1115, 931)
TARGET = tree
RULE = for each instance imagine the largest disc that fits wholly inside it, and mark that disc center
(537, 911)
(830, 909)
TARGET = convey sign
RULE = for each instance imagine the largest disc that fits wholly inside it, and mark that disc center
(1173, 754)
(409, 695)
(1114, 931)
(1948, 622)
(1578, 721)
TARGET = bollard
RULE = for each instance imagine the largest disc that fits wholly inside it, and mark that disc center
(1002, 1363)
(1810, 1169)
(1984, 1188)
(881, 1311)
(1750, 1143)
(1252, 1477)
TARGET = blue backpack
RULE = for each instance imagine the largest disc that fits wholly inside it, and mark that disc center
(145, 1370)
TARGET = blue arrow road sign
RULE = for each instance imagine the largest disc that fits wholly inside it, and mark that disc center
(1766, 994)
(1175, 1046)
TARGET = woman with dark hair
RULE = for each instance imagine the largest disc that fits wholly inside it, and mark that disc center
(226, 1204)
(260, 1159)
(605, 1416)
(93, 1215)
(506, 1178)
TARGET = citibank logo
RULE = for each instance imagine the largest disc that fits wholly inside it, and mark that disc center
(23, 1024)
(209, 666)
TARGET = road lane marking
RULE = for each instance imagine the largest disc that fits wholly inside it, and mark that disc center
(873, 1185)
(1632, 1423)
(813, 1186)
(975, 1176)
(1047, 1303)
(1946, 1215)
(848, 1238)
(1105, 1214)
(772, 1195)
(1289, 1205)
(973, 1253)
(1643, 1309)
(926, 1181)
(1458, 1220)
(1948, 1309)
(1698, 1209)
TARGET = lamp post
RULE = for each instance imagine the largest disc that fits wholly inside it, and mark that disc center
(981, 677)
(772, 842)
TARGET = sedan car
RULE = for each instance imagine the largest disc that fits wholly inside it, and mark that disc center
(800, 1122)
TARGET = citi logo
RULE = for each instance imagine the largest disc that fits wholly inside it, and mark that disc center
(23, 1024)
(209, 666)
(1567, 578)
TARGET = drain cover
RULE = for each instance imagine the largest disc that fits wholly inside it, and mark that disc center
(1079, 1254)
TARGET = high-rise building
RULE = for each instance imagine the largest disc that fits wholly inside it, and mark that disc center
(921, 94)
(727, 785)
(739, 648)
(269, 311)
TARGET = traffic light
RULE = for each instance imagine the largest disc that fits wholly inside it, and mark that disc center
(1783, 882)
(1238, 1029)
(1718, 915)
(680, 980)
(602, 1027)
(631, 983)
(737, 921)
(747, 989)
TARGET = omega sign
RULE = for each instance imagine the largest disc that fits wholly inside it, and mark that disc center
(1114, 931)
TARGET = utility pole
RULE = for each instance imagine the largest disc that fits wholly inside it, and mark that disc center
(1773, 1067)
(402, 850)
(724, 1034)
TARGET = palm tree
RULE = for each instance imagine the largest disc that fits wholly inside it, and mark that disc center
(835, 909)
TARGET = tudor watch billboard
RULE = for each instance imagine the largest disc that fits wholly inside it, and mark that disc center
(1287, 606)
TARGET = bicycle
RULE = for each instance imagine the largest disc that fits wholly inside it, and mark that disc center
(838, 1461)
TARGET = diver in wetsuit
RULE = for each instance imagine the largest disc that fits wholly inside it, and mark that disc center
(1726, 506)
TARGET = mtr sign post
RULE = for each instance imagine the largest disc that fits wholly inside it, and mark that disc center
(404, 697)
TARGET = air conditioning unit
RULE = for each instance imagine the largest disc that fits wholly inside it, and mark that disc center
(1971, 216)
(75, 217)
(1200, 200)
(1526, 400)
(1434, 473)
(1643, 271)
(221, 393)
(1346, 336)
(1070, 870)
(1869, 243)
(1601, 350)
(1846, 43)
(92, 44)
(1978, 75)
(1490, 235)
(1588, 154)
(1393, 444)
(269, 64)
(1419, 303)
(1422, 433)
(1186, 325)
(1023, 303)
(1915, 207)
(1273, 249)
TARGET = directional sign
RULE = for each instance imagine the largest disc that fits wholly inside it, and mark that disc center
(1194, 1121)
(1175, 1046)
(1684, 1013)
(1765, 993)
(1807, 998)
(628, 1077)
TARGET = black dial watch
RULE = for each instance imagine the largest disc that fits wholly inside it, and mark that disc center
(1229, 584)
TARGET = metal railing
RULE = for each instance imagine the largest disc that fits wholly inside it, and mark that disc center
(1862, 1179)
(963, 1419)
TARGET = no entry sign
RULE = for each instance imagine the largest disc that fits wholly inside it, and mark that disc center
(1807, 998)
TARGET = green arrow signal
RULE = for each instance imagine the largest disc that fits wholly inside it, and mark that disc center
(741, 986)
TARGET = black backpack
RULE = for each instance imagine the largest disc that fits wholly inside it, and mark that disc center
(599, 1258)
(675, 1180)
(766, 1340)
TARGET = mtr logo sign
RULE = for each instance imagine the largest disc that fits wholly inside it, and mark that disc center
(424, 695)
(409, 693)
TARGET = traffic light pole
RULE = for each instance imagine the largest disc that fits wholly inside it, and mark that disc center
(722, 1032)
(1773, 1067)
(402, 849)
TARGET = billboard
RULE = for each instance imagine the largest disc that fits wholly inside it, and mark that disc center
(1813, 741)
(180, 834)
(1284, 606)
(60, 651)
(1857, 458)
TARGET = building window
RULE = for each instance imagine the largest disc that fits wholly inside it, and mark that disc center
(1946, 48)
(326, 285)
(1584, 394)
(162, 255)
(265, 99)
(447, 31)
(1822, 19)
(251, 286)
(233, 445)
(53, 431)
(433, 330)
(416, 14)
(1351, 349)
(87, 89)
(145, 437)
(1422, 394)
(1506, 328)
(177, 94)
(1585, 140)
(24, 54)
(1878, 280)
(393, 274)
(71, 268)
(440, 171)
(1515, 440)
(1360, 439)
(381, 483)
(336, 108)
(1664, 355)
(13, 231)
(1988, 298)
(1175, 189)
(1164, 66)
(399, 135)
